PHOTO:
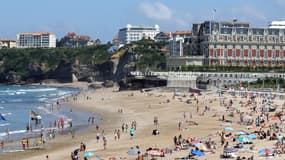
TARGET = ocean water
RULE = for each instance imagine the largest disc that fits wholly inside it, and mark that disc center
(16, 102)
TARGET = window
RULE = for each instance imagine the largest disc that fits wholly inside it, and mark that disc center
(237, 52)
(261, 53)
(245, 53)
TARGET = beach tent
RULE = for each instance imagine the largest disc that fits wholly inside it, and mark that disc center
(252, 136)
(201, 146)
(89, 154)
(198, 153)
(230, 150)
(266, 151)
(133, 151)
(240, 133)
(243, 139)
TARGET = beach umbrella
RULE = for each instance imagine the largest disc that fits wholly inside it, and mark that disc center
(240, 133)
(89, 154)
(201, 146)
(265, 151)
(133, 151)
(198, 153)
(252, 136)
(243, 139)
(230, 150)
(228, 129)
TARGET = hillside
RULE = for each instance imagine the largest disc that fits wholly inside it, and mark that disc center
(35, 64)
(94, 63)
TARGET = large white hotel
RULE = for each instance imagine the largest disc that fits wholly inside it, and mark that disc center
(36, 40)
(135, 33)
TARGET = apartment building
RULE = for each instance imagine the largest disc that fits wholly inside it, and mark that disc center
(135, 33)
(6, 43)
(36, 40)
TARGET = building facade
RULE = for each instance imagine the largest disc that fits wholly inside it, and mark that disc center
(163, 36)
(5, 43)
(71, 39)
(277, 24)
(236, 43)
(135, 33)
(36, 40)
(180, 43)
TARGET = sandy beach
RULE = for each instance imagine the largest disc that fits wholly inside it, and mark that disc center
(117, 108)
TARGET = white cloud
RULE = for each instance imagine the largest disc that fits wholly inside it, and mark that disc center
(162, 13)
(248, 13)
(156, 11)
(280, 2)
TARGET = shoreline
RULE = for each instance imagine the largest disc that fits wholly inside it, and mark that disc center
(15, 136)
(83, 132)
(142, 107)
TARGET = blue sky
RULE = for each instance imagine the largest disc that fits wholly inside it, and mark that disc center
(102, 19)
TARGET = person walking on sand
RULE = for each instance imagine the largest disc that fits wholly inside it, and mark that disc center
(104, 142)
(132, 132)
(126, 128)
(179, 125)
(115, 134)
(223, 138)
(123, 127)
(98, 137)
(118, 134)
(155, 120)
(89, 119)
(135, 125)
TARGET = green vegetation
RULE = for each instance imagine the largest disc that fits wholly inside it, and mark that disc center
(267, 83)
(217, 68)
(21, 61)
(150, 56)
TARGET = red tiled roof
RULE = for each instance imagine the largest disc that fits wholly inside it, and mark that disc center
(84, 37)
(167, 33)
(7, 40)
(116, 37)
(35, 33)
(182, 33)
(73, 35)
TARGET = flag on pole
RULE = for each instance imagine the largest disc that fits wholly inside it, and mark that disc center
(32, 113)
(2, 117)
